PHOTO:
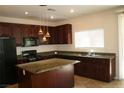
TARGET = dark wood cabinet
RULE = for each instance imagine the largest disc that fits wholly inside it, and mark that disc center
(22, 61)
(34, 30)
(96, 68)
(59, 34)
(27, 31)
(58, 78)
(64, 34)
(20, 31)
(30, 30)
(6, 29)
(17, 33)
(53, 34)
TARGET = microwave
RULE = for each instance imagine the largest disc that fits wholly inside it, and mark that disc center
(30, 41)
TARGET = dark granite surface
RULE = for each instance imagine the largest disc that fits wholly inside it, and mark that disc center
(74, 54)
(79, 54)
(106, 56)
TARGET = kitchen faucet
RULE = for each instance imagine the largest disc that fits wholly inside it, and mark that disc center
(91, 52)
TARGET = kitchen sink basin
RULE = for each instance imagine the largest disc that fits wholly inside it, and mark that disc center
(91, 55)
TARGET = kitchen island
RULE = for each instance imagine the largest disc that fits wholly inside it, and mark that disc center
(51, 73)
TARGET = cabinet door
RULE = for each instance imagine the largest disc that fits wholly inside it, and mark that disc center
(34, 31)
(53, 35)
(6, 29)
(17, 33)
(24, 79)
(80, 68)
(87, 67)
(64, 34)
(26, 31)
(20, 31)
(61, 34)
(22, 61)
(104, 69)
(31, 30)
(68, 33)
(91, 68)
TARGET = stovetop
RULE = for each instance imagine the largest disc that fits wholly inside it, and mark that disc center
(30, 55)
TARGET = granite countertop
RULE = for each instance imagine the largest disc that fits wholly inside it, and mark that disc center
(74, 54)
(46, 65)
(86, 55)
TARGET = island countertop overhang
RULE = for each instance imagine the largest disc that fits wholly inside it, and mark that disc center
(46, 65)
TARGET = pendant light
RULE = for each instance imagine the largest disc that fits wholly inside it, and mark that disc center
(40, 30)
(44, 38)
(47, 32)
(51, 17)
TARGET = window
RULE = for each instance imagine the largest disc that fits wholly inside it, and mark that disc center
(90, 38)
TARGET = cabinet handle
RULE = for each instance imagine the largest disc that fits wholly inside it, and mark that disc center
(24, 72)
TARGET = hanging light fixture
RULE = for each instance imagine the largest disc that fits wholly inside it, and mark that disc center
(47, 32)
(51, 17)
(44, 38)
(45, 29)
(40, 30)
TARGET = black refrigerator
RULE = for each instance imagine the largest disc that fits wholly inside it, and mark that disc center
(8, 61)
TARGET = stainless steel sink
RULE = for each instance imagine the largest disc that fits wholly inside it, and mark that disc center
(91, 55)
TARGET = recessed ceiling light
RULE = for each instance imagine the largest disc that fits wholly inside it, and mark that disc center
(72, 11)
(51, 17)
(50, 9)
(26, 13)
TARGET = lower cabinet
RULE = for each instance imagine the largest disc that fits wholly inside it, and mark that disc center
(21, 61)
(96, 68)
(58, 78)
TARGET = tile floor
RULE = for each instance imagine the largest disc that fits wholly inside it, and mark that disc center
(82, 82)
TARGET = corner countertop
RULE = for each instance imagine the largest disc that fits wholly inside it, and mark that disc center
(79, 54)
(87, 56)
(73, 54)
(46, 65)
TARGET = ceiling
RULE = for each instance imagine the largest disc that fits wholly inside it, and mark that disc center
(61, 12)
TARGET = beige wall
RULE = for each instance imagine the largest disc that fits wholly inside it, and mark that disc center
(41, 48)
(106, 20)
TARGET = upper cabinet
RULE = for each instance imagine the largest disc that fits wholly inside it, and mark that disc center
(6, 29)
(30, 31)
(17, 33)
(64, 34)
(53, 35)
(58, 34)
